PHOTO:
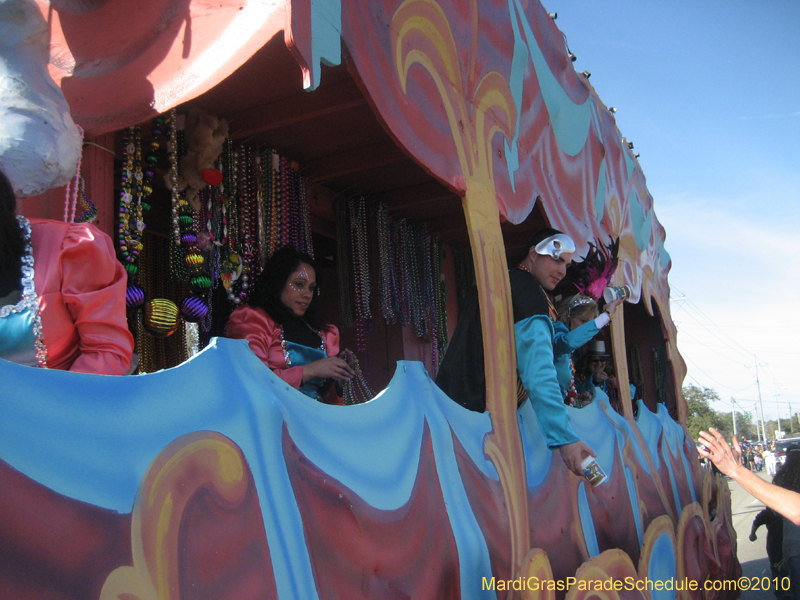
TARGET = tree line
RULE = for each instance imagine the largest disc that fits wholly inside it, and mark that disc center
(701, 416)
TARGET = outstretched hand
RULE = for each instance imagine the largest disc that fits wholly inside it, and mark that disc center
(573, 455)
(726, 459)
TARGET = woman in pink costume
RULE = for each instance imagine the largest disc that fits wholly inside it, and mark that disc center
(62, 294)
(285, 330)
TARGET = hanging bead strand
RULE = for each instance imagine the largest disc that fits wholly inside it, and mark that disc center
(363, 286)
(343, 263)
(72, 188)
(388, 274)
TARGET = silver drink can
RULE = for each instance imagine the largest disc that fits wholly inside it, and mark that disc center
(593, 471)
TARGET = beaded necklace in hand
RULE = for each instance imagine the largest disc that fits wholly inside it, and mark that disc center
(356, 390)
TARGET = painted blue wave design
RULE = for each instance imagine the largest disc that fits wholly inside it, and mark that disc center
(93, 437)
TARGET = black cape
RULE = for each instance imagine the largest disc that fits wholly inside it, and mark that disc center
(462, 375)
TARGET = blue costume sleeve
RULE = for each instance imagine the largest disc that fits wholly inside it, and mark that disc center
(566, 342)
(534, 340)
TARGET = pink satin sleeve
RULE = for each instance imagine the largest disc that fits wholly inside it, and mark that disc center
(263, 335)
(93, 285)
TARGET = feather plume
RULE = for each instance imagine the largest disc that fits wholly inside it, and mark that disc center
(592, 275)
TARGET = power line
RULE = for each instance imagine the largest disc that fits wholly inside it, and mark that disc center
(684, 303)
(711, 378)
(711, 322)
(689, 300)
(684, 332)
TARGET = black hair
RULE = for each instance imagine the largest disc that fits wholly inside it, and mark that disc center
(540, 235)
(12, 244)
(788, 476)
(274, 275)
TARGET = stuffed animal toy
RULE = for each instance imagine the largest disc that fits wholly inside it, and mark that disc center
(205, 135)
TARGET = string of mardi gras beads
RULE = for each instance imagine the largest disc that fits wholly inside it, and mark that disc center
(389, 295)
(412, 282)
(76, 195)
(343, 262)
(401, 267)
(181, 235)
(300, 221)
(306, 220)
(214, 224)
(356, 390)
(89, 212)
(203, 228)
(416, 281)
(291, 213)
(229, 264)
(262, 191)
(71, 189)
(441, 301)
(429, 288)
(266, 189)
(363, 285)
(273, 168)
(284, 203)
(136, 185)
(248, 224)
(186, 244)
(130, 225)
(278, 202)
(161, 315)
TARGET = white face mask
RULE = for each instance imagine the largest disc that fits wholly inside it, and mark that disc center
(555, 245)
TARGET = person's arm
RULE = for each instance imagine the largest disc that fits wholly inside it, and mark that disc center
(565, 341)
(538, 374)
(729, 461)
(761, 519)
(93, 286)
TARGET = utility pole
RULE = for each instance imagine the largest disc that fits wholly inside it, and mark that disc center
(754, 411)
(760, 401)
(733, 412)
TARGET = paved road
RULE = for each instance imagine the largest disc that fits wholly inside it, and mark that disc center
(752, 555)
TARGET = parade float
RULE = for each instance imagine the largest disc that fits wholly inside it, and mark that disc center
(390, 139)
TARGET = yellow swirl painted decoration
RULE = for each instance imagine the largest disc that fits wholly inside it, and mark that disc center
(196, 460)
(422, 36)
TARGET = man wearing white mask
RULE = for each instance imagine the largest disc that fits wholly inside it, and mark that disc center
(462, 375)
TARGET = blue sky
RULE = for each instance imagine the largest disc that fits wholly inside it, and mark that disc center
(709, 93)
